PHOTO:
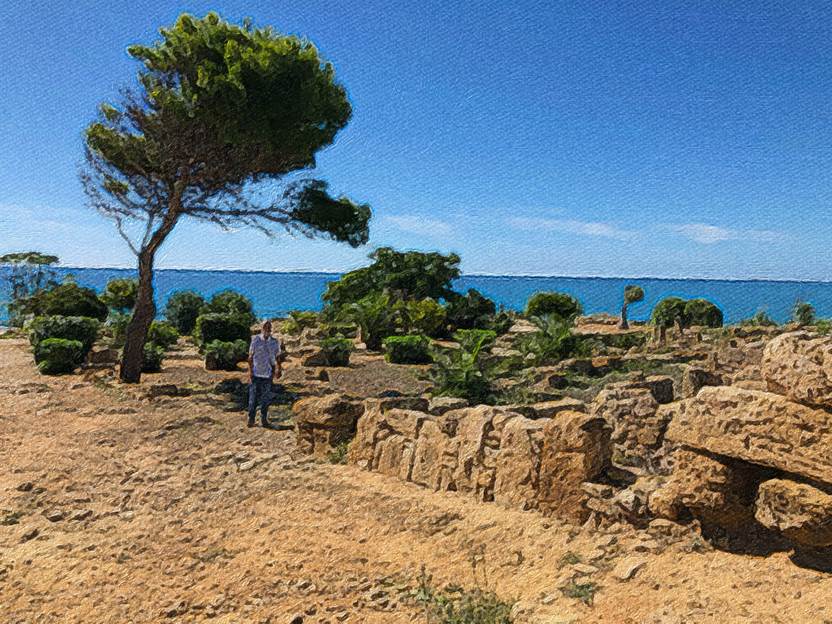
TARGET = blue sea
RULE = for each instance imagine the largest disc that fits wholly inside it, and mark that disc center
(274, 294)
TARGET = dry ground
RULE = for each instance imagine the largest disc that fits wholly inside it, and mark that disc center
(117, 508)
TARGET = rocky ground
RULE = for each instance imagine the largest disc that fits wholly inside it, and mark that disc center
(126, 504)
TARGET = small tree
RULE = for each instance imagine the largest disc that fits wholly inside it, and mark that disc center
(803, 313)
(563, 306)
(120, 294)
(220, 111)
(29, 273)
(668, 312)
(632, 294)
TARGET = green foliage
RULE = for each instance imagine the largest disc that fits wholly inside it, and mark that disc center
(336, 329)
(336, 350)
(117, 328)
(823, 327)
(80, 328)
(376, 318)
(553, 341)
(120, 294)
(152, 357)
(163, 334)
(466, 372)
(556, 304)
(585, 592)
(409, 349)
(58, 355)
(760, 319)
(27, 274)
(633, 294)
(299, 320)
(803, 313)
(702, 313)
(220, 355)
(182, 309)
(668, 312)
(404, 276)
(223, 327)
(424, 316)
(68, 299)
(456, 605)
(231, 302)
(469, 338)
(470, 311)
(338, 455)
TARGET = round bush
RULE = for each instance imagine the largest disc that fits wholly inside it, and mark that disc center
(120, 294)
(702, 312)
(557, 304)
(411, 349)
(470, 311)
(222, 327)
(336, 350)
(80, 328)
(57, 355)
(299, 320)
(163, 334)
(69, 300)
(426, 317)
(152, 359)
(231, 302)
(468, 339)
(182, 309)
(668, 312)
(220, 355)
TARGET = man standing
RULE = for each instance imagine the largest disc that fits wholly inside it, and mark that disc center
(263, 367)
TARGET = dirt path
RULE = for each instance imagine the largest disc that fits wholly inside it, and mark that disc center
(117, 508)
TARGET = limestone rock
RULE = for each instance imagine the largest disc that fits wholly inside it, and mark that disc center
(799, 366)
(628, 567)
(518, 463)
(436, 454)
(801, 512)
(440, 405)
(757, 427)
(322, 423)
(694, 378)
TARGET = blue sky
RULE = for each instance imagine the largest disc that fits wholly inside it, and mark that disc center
(559, 138)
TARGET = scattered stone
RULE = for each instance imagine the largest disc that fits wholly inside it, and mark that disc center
(26, 486)
(29, 535)
(627, 568)
(799, 511)
(54, 515)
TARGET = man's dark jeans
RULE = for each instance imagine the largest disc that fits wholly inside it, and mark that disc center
(259, 392)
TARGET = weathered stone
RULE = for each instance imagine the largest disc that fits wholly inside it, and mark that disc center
(799, 366)
(322, 423)
(518, 463)
(436, 454)
(694, 378)
(548, 409)
(102, 355)
(628, 567)
(576, 448)
(442, 404)
(315, 357)
(758, 427)
(638, 425)
(799, 511)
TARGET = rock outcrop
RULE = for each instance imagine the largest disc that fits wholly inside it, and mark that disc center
(799, 366)
(324, 423)
(802, 513)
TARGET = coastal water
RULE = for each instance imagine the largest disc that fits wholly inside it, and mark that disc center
(274, 294)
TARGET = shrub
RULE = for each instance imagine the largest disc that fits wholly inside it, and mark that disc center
(231, 302)
(26, 274)
(335, 330)
(80, 328)
(760, 319)
(117, 328)
(668, 312)
(823, 327)
(299, 320)
(376, 317)
(163, 334)
(455, 605)
(410, 349)
(465, 372)
(58, 355)
(182, 309)
(223, 327)
(557, 304)
(336, 351)
(701, 312)
(553, 341)
(69, 299)
(469, 338)
(152, 358)
(425, 316)
(470, 311)
(220, 355)
(120, 294)
(803, 313)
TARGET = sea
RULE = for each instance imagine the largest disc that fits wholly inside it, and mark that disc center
(275, 293)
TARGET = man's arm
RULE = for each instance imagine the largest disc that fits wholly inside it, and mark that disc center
(251, 362)
(278, 367)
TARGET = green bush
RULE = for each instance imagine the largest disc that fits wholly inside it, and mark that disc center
(334, 330)
(425, 316)
(116, 327)
(152, 358)
(163, 334)
(336, 350)
(466, 372)
(376, 317)
(299, 320)
(120, 294)
(702, 313)
(182, 309)
(80, 328)
(668, 312)
(553, 341)
(562, 305)
(470, 311)
(223, 327)
(220, 355)
(469, 338)
(760, 319)
(803, 313)
(69, 299)
(455, 605)
(231, 302)
(410, 349)
(58, 355)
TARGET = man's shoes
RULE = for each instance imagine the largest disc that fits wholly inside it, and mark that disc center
(267, 425)
(250, 423)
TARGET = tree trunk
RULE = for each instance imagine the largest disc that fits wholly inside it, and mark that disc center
(143, 314)
(623, 324)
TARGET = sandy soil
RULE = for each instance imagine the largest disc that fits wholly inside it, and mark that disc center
(119, 508)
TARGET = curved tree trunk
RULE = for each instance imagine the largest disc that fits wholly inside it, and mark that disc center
(143, 314)
(623, 324)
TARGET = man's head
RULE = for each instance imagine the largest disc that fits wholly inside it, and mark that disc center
(267, 328)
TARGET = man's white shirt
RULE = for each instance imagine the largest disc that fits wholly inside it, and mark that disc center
(264, 353)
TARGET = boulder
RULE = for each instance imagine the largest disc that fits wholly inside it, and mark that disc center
(757, 427)
(694, 378)
(799, 366)
(548, 409)
(441, 404)
(518, 463)
(385, 438)
(436, 454)
(315, 357)
(576, 448)
(102, 356)
(323, 423)
(802, 513)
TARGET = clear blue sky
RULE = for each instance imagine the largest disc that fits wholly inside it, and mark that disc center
(562, 138)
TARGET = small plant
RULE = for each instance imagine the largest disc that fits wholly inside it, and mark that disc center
(163, 334)
(552, 342)
(823, 327)
(760, 319)
(182, 309)
(466, 372)
(299, 320)
(58, 355)
(470, 311)
(569, 558)
(80, 328)
(456, 605)
(338, 455)
(152, 358)
(120, 294)
(469, 338)
(376, 317)
(410, 349)
(116, 328)
(223, 327)
(803, 313)
(336, 351)
(560, 305)
(703, 313)
(585, 592)
(424, 316)
(220, 355)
